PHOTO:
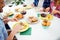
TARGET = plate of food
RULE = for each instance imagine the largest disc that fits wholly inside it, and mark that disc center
(32, 19)
(27, 6)
(43, 16)
(49, 17)
(9, 14)
(23, 12)
(24, 25)
(19, 16)
(19, 9)
(46, 23)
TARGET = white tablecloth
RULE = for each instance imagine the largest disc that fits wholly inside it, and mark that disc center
(38, 32)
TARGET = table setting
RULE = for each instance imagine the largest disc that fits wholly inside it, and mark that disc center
(35, 25)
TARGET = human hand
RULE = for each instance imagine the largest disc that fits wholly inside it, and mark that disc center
(32, 5)
(17, 28)
(13, 19)
(42, 9)
(47, 9)
(55, 11)
(5, 21)
(14, 31)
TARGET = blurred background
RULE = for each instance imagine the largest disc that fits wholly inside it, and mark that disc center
(27, 1)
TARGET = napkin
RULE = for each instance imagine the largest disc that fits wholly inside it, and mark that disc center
(27, 32)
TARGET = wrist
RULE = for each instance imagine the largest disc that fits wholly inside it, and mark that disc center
(9, 19)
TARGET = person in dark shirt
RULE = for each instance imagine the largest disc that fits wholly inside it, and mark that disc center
(46, 5)
(36, 3)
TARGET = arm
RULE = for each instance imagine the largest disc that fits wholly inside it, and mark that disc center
(14, 31)
(47, 9)
(55, 11)
(6, 19)
(11, 36)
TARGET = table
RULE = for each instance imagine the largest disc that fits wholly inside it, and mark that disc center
(38, 32)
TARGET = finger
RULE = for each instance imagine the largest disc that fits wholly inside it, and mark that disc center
(15, 19)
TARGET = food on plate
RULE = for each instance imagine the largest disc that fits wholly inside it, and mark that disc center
(46, 16)
(23, 12)
(49, 17)
(46, 23)
(43, 15)
(10, 13)
(10, 5)
(19, 16)
(24, 26)
(28, 7)
(17, 9)
(32, 19)
(24, 5)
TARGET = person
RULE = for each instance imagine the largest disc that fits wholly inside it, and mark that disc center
(3, 32)
(14, 31)
(35, 3)
(1, 5)
(46, 5)
(55, 8)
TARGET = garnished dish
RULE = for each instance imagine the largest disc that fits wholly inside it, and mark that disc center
(46, 16)
(32, 19)
(24, 5)
(10, 5)
(23, 12)
(10, 13)
(27, 6)
(19, 16)
(17, 9)
(46, 23)
(43, 16)
(24, 26)
(49, 17)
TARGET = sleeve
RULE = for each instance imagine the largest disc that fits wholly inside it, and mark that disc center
(1, 16)
(51, 4)
(4, 32)
(58, 8)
